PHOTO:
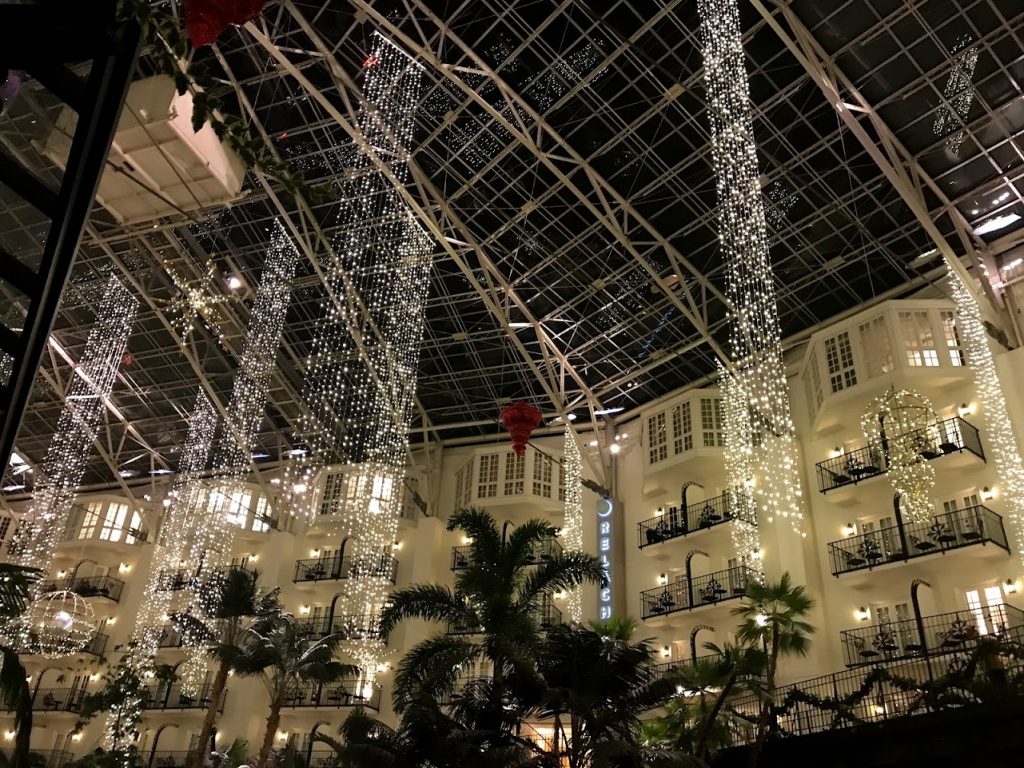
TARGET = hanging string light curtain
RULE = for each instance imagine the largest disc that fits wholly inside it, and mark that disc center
(1002, 445)
(755, 338)
(213, 534)
(183, 508)
(361, 376)
(64, 465)
(738, 438)
(572, 528)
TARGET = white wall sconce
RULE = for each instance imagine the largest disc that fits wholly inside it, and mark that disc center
(314, 552)
(987, 493)
(8, 735)
(304, 609)
(663, 579)
(123, 568)
(862, 614)
(836, 452)
(849, 529)
(666, 652)
(965, 410)
(660, 512)
(1010, 586)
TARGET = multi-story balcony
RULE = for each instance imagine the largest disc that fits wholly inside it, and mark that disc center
(699, 592)
(336, 567)
(974, 526)
(548, 617)
(349, 627)
(175, 581)
(541, 553)
(175, 697)
(668, 667)
(350, 692)
(106, 587)
(946, 437)
(696, 517)
(935, 635)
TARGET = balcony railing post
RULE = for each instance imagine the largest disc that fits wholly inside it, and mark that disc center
(900, 526)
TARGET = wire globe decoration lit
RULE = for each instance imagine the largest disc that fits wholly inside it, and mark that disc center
(901, 428)
(59, 624)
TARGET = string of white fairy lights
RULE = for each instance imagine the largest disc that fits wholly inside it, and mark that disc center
(361, 377)
(900, 425)
(63, 468)
(183, 505)
(572, 527)
(755, 336)
(208, 551)
(1002, 446)
(738, 439)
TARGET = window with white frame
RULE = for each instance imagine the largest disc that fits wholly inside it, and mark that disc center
(118, 525)
(333, 500)
(711, 421)
(515, 474)
(90, 519)
(682, 428)
(487, 479)
(657, 438)
(951, 334)
(988, 608)
(560, 468)
(839, 358)
(918, 339)
(261, 515)
(5, 527)
(542, 476)
(875, 345)
(464, 485)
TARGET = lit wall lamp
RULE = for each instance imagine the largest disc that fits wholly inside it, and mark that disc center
(663, 578)
(837, 452)
(76, 737)
(849, 529)
(314, 552)
(1010, 586)
(560, 595)
(666, 652)
(304, 609)
(123, 568)
(61, 574)
(660, 512)
(988, 493)
(965, 410)
(862, 614)
(8, 735)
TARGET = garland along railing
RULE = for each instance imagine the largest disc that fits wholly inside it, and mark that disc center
(881, 693)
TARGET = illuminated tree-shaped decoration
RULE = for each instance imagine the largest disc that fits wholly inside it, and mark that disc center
(59, 624)
(901, 429)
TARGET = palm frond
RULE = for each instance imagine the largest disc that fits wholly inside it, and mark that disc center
(481, 527)
(431, 602)
(564, 571)
(524, 538)
(433, 667)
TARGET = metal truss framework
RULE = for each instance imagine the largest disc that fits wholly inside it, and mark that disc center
(561, 163)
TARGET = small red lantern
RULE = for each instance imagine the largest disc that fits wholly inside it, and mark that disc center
(520, 420)
(206, 20)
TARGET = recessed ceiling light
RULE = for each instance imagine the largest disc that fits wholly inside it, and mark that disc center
(997, 223)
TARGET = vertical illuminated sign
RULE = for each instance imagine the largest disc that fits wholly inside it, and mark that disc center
(604, 551)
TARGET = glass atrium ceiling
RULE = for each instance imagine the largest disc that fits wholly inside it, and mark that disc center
(562, 150)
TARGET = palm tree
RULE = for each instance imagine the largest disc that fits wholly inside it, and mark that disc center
(15, 589)
(499, 595)
(368, 742)
(284, 657)
(599, 681)
(237, 606)
(773, 618)
(694, 722)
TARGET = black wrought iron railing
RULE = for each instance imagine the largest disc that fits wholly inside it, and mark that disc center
(58, 700)
(948, 436)
(50, 758)
(169, 636)
(336, 567)
(97, 646)
(175, 581)
(698, 516)
(541, 553)
(977, 525)
(87, 586)
(175, 697)
(871, 695)
(350, 692)
(349, 627)
(942, 633)
(684, 595)
(667, 667)
(162, 759)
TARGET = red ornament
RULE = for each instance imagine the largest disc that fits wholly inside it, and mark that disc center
(520, 420)
(127, 359)
(206, 20)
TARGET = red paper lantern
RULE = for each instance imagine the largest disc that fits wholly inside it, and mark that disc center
(205, 20)
(520, 420)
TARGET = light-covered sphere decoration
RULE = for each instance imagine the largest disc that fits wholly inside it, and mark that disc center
(59, 624)
(901, 428)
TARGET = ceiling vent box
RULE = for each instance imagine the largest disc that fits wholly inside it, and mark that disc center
(176, 168)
